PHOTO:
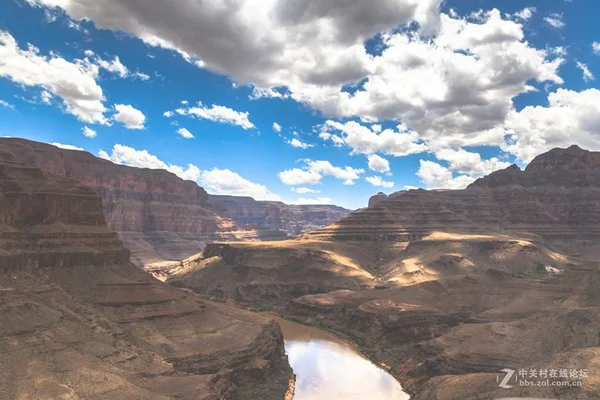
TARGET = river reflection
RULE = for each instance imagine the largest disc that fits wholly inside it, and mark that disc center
(327, 368)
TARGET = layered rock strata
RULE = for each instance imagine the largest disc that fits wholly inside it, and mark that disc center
(161, 217)
(446, 288)
(78, 320)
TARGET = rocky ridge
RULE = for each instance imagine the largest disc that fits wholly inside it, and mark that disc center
(444, 288)
(80, 321)
(162, 217)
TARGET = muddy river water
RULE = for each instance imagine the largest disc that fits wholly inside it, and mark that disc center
(328, 368)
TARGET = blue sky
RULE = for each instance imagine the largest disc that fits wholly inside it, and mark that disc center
(304, 102)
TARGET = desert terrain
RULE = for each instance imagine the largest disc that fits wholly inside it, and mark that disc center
(80, 321)
(443, 288)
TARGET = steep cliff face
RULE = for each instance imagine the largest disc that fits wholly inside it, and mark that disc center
(80, 321)
(555, 197)
(275, 215)
(162, 217)
(445, 287)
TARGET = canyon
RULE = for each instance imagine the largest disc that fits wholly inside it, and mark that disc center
(162, 218)
(80, 321)
(444, 288)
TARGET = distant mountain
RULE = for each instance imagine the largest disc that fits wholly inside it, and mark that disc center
(160, 216)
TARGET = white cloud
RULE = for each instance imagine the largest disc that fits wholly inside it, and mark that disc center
(587, 74)
(168, 114)
(141, 75)
(46, 97)
(364, 140)
(299, 144)
(6, 104)
(378, 182)
(88, 132)
(74, 82)
(314, 171)
(115, 66)
(268, 42)
(297, 176)
(224, 181)
(555, 20)
(596, 47)
(216, 181)
(129, 116)
(219, 114)
(378, 164)
(304, 190)
(570, 117)
(458, 74)
(66, 146)
(269, 93)
(469, 163)
(184, 133)
(525, 14)
(276, 127)
(314, 201)
(436, 176)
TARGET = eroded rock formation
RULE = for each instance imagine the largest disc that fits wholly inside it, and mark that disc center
(446, 288)
(79, 321)
(162, 217)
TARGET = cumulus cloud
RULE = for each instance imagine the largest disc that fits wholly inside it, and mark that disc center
(436, 176)
(225, 181)
(570, 117)
(470, 163)
(74, 82)
(129, 116)
(216, 181)
(596, 47)
(66, 146)
(587, 74)
(299, 144)
(458, 74)
(219, 114)
(184, 133)
(378, 164)
(314, 171)
(88, 132)
(377, 181)
(364, 140)
(268, 42)
(276, 127)
(304, 190)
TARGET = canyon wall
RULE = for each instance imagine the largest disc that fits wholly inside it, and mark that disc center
(554, 197)
(444, 288)
(160, 216)
(275, 215)
(80, 321)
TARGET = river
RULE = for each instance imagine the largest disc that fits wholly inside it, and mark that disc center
(328, 368)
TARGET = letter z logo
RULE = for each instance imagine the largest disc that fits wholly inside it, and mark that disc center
(508, 375)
